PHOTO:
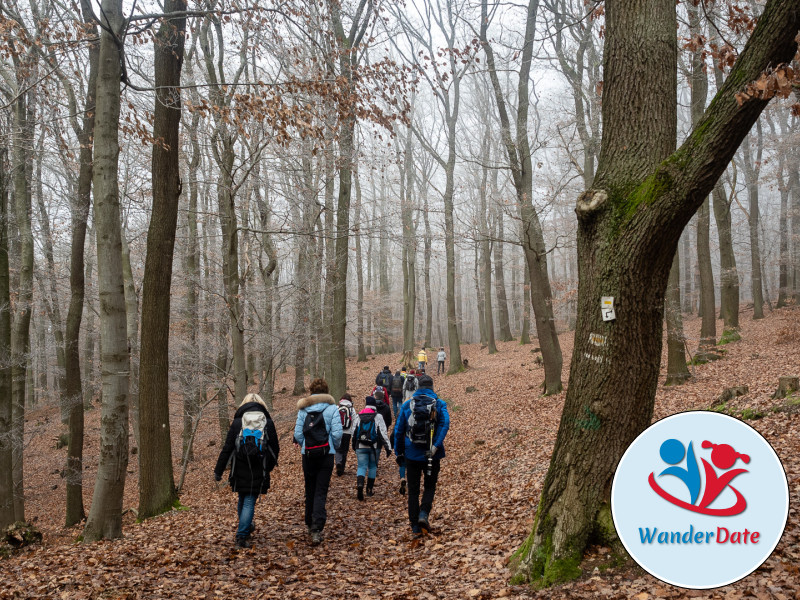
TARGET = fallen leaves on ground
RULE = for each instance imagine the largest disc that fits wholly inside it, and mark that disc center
(498, 451)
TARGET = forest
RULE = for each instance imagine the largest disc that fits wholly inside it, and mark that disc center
(201, 199)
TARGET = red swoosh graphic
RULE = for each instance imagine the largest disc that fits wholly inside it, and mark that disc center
(737, 508)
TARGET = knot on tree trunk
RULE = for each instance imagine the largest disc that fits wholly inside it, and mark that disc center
(589, 202)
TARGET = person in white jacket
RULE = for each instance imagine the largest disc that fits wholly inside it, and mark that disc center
(369, 435)
(348, 416)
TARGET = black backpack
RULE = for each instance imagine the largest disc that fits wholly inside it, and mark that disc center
(315, 433)
(411, 383)
(422, 421)
(252, 443)
(385, 379)
(397, 385)
(367, 432)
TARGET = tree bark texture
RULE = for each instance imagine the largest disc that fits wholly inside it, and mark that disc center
(6, 440)
(629, 225)
(105, 515)
(156, 482)
(677, 371)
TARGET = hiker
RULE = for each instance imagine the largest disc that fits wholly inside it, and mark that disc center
(318, 430)
(251, 447)
(440, 358)
(347, 415)
(396, 392)
(382, 406)
(410, 386)
(419, 444)
(368, 437)
(422, 359)
(384, 378)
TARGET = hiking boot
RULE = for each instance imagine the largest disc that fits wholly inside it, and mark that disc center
(402, 487)
(339, 470)
(316, 538)
(422, 522)
(370, 485)
(415, 529)
(360, 487)
(242, 543)
(252, 529)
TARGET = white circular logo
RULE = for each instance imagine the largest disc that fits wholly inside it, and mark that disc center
(700, 499)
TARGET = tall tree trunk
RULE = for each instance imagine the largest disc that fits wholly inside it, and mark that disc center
(409, 251)
(132, 325)
(503, 319)
(677, 371)
(301, 303)
(519, 155)
(525, 335)
(699, 85)
(794, 187)
(426, 271)
(6, 454)
(784, 289)
(156, 482)
(105, 515)
(194, 392)
(362, 352)
(751, 173)
(480, 299)
(686, 252)
(23, 130)
(270, 275)
(729, 277)
(89, 336)
(629, 224)
(486, 228)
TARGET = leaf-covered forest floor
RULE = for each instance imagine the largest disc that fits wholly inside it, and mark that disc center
(498, 451)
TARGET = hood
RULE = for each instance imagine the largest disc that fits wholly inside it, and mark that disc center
(369, 410)
(426, 392)
(248, 407)
(315, 399)
(346, 403)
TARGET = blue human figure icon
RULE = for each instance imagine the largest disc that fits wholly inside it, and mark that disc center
(672, 453)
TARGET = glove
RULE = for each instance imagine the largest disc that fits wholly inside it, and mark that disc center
(434, 449)
(217, 477)
(400, 460)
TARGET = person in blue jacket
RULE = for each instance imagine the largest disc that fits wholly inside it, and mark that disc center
(421, 456)
(318, 455)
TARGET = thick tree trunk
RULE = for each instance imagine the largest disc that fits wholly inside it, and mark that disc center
(105, 515)
(6, 454)
(409, 252)
(677, 371)
(629, 225)
(525, 335)
(89, 337)
(301, 311)
(156, 482)
(269, 274)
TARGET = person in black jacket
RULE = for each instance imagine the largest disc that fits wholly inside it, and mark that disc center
(249, 476)
(384, 378)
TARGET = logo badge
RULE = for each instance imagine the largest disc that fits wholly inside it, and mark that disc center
(700, 499)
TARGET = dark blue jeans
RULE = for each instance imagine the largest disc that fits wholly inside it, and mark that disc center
(245, 510)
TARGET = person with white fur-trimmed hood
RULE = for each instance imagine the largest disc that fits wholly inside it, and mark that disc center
(318, 431)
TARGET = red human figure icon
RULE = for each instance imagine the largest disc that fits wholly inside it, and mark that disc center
(724, 457)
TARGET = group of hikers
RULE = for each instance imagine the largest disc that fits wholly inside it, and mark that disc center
(326, 430)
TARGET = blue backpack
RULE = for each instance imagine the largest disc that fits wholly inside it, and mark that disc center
(367, 433)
